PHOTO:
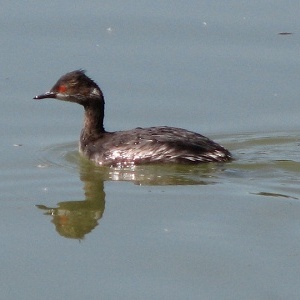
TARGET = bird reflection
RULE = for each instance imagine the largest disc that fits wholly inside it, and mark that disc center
(75, 219)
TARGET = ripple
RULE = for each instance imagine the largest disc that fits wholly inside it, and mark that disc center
(64, 155)
(268, 157)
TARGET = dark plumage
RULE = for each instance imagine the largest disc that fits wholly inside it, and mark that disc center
(137, 146)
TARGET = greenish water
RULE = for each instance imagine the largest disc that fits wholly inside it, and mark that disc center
(126, 230)
(265, 166)
(216, 231)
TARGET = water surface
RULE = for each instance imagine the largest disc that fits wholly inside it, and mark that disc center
(214, 231)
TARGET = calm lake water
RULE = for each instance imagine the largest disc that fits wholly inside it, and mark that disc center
(228, 70)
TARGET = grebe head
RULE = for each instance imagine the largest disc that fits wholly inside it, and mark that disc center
(74, 87)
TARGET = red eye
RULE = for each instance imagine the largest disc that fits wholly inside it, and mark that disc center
(62, 88)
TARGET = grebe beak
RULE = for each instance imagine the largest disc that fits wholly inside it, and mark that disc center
(46, 95)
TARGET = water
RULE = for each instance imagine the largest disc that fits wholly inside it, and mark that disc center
(215, 231)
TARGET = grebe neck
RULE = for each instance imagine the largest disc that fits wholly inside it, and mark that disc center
(93, 121)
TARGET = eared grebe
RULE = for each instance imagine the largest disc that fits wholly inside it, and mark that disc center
(137, 146)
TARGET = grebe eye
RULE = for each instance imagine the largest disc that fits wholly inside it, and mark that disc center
(62, 88)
